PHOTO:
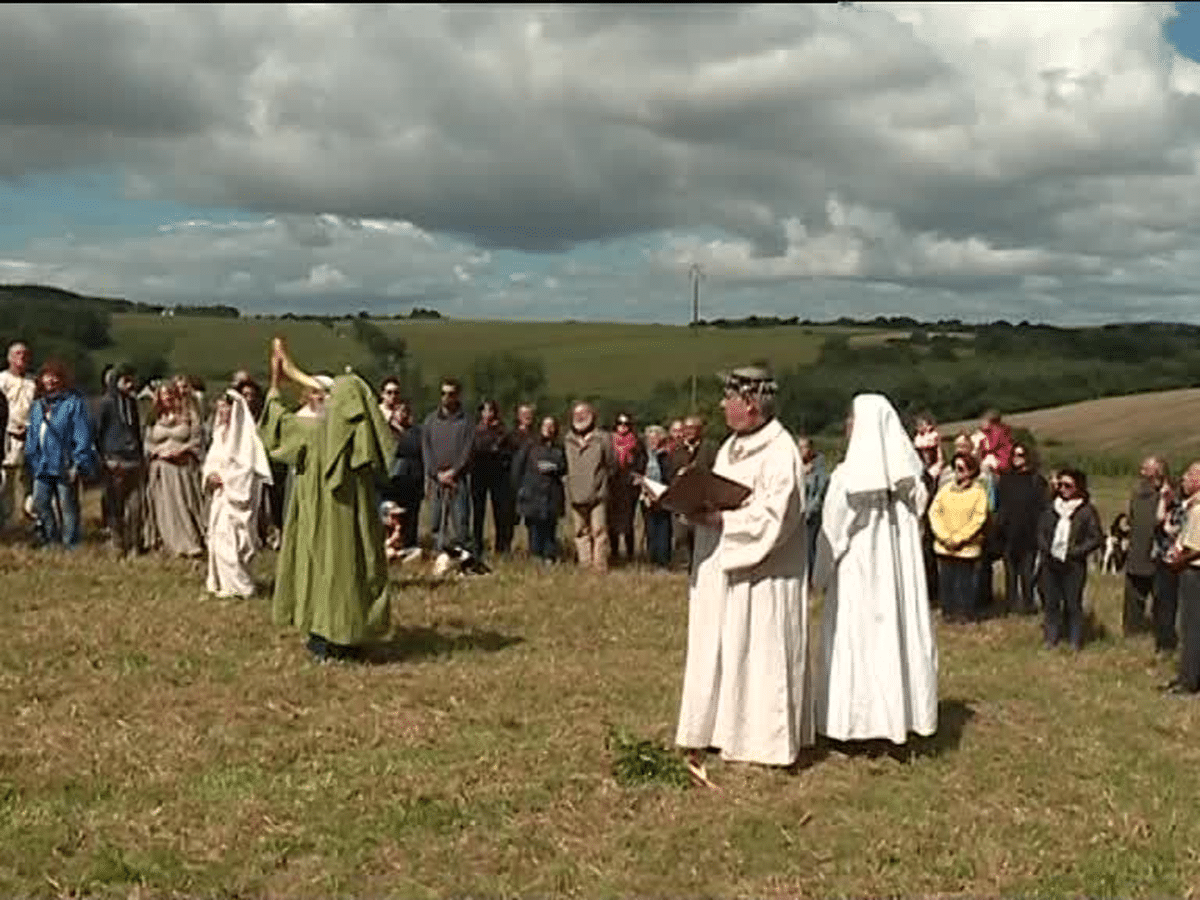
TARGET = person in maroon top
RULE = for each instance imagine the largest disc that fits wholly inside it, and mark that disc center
(623, 493)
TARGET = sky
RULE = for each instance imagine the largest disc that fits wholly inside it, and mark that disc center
(549, 162)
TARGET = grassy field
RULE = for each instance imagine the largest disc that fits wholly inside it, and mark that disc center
(617, 360)
(159, 744)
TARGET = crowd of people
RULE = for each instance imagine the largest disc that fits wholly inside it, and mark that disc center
(337, 484)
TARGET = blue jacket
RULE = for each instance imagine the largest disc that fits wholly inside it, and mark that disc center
(67, 442)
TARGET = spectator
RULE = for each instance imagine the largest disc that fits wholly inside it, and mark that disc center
(623, 490)
(406, 478)
(674, 434)
(1183, 558)
(447, 439)
(1021, 497)
(657, 521)
(491, 474)
(538, 470)
(119, 442)
(174, 492)
(269, 520)
(996, 447)
(957, 517)
(58, 451)
(1169, 519)
(816, 482)
(19, 390)
(590, 463)
(1139, 563)
(1069, 531)
(691, 451)
(525, 433)
(928, 443)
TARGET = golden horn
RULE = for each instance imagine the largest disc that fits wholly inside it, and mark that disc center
(291, 370)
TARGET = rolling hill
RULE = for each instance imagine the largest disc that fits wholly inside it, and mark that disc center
(1116, 427)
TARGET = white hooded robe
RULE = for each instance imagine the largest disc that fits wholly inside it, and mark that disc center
(236, 454)
(745, 685)
(877, 663)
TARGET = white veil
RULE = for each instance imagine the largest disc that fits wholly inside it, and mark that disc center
(880, 455)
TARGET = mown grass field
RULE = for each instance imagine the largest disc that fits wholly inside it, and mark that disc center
(605, 359)
(159, 744)
(1113, 428)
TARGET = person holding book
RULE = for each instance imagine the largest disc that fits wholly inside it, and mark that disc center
(745, 685)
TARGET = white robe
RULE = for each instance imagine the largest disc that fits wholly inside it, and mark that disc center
(745, 685)
(238, 457)
(877, 662)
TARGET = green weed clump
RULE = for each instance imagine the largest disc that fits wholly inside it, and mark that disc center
(640, 761)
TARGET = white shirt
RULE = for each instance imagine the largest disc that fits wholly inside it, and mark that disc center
(19, 391)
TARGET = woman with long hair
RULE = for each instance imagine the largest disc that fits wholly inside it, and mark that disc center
(173, 489)
(623, 492)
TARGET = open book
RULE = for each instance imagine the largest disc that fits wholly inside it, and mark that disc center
(695, 491)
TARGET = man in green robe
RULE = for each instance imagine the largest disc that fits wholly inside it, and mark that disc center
(331, 574)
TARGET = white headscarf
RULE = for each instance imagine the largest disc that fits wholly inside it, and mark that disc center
(880, 455)
(239, 444)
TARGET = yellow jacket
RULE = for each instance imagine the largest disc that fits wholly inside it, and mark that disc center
(958, 515)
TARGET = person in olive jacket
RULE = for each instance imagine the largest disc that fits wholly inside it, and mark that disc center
(1068, 533)
(538, 470)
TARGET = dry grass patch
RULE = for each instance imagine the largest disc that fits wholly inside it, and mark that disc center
(163, 745)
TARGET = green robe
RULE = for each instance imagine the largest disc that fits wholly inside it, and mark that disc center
(331, 575)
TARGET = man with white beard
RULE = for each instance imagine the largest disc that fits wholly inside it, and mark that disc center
(877, 663)
(745, 688)
(19, 389)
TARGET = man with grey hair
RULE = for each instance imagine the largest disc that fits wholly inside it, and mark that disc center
(591, 461)
(745, 685)
(18, 389)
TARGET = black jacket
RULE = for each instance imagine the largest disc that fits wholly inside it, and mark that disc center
(119, 427)
(538, 471)
(1085, 537)
(408, 467)
(1020, 501)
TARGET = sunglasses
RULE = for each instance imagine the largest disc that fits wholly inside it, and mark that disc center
(1066, 485)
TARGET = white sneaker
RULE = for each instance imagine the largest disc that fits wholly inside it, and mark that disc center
(412, 554)
(442, 564)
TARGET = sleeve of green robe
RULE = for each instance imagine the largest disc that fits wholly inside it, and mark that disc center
(282, 440)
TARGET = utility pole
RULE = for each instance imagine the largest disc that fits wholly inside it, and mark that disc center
(696, 274)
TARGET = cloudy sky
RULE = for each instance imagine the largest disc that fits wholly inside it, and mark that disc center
(572, 162)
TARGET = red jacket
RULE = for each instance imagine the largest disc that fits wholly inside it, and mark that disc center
(997, 441)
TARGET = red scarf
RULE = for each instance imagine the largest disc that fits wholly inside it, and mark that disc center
(623, 445)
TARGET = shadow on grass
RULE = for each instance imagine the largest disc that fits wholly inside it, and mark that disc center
(423, 642)
(953, 716)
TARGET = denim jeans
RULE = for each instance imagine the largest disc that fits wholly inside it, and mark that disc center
(543, 543)
(958, 587)
(451, 507)
(658, 537)
(1062, 595)
(46, 490)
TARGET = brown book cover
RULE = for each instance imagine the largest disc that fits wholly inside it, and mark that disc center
(697, 490)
